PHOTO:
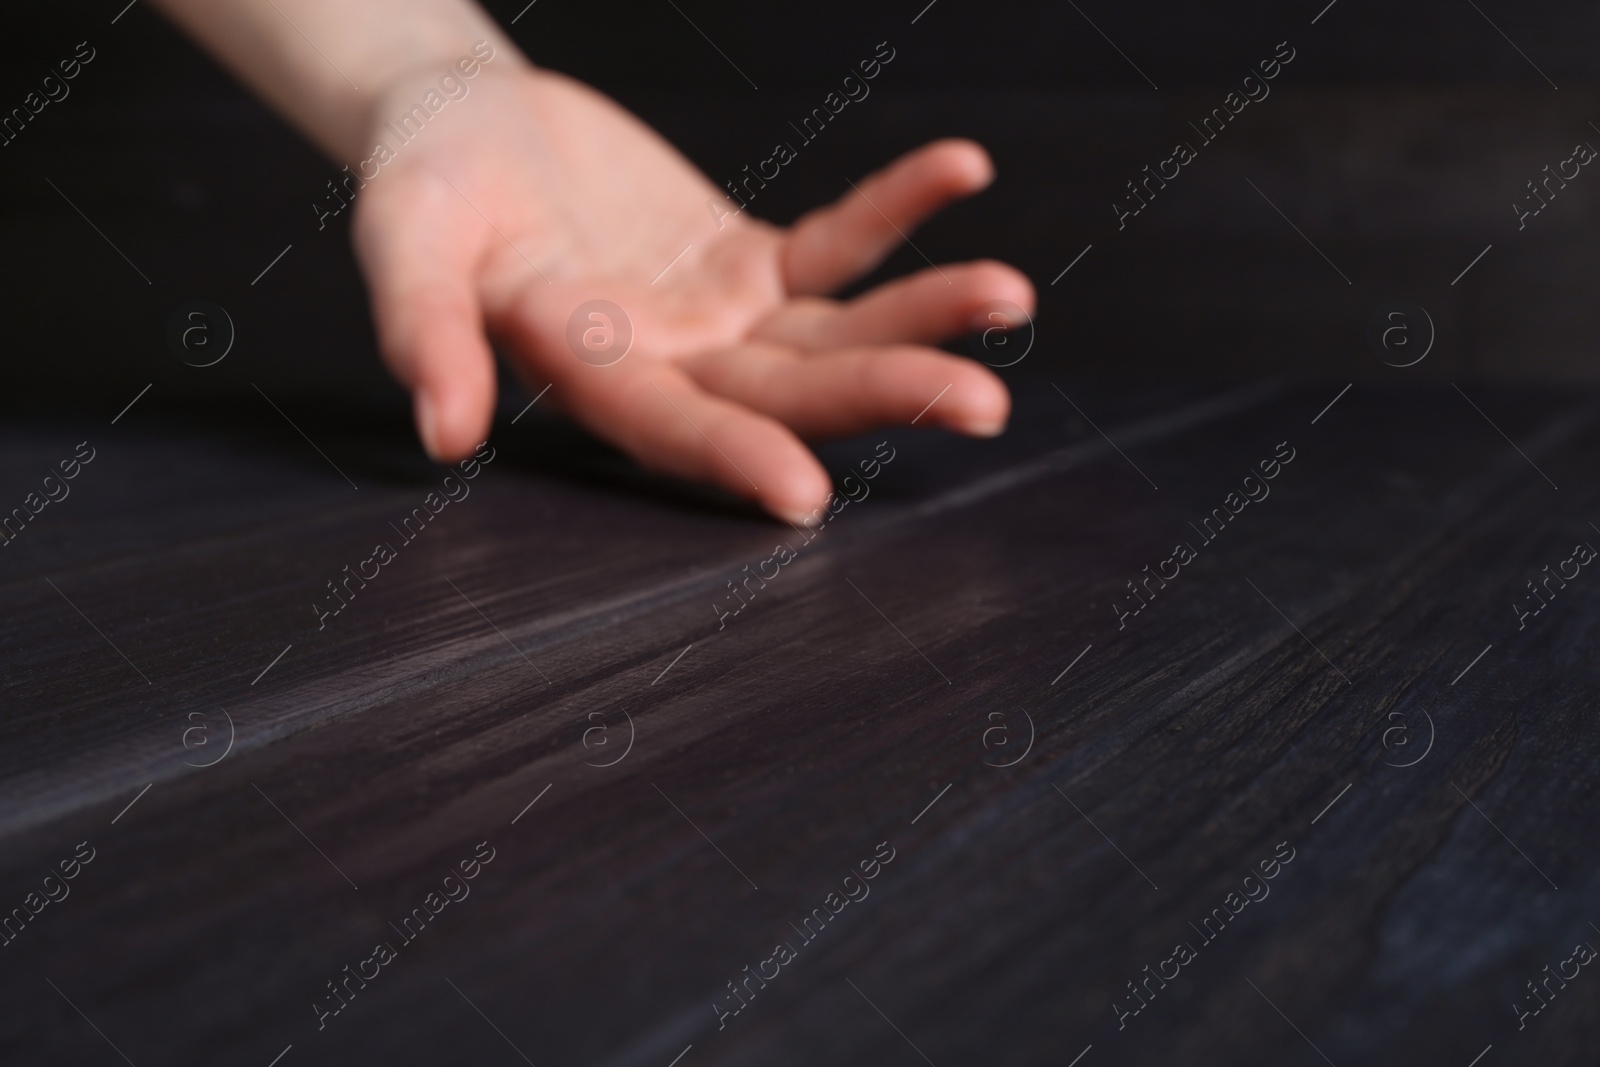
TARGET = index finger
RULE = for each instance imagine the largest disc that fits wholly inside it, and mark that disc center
(833, 245)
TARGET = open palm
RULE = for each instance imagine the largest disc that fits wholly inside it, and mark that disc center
(536, 196)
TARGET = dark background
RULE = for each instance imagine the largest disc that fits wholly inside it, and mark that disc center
(1397, 141)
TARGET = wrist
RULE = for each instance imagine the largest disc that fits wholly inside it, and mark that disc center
(416, 90)
(327, 67)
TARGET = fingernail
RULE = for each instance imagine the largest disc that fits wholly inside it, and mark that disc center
(993, 316)
(427, 423)
(987, 429)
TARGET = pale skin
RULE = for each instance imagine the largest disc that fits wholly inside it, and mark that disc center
(534, 194)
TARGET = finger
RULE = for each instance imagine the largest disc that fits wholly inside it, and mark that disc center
(926, 308)
(430, 327)
(832, 245)
(660, 417)
(853, 390)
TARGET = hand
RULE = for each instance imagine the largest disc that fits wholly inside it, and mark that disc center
(535, 194)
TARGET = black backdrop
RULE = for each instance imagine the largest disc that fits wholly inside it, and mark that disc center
(1396, 142)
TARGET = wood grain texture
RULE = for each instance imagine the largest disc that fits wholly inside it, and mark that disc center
(1266, 695)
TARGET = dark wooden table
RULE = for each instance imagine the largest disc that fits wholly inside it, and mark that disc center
(936, 793)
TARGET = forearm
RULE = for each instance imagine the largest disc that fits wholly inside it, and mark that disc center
(325, 64)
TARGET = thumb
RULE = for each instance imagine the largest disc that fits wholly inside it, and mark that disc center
(430, 329)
